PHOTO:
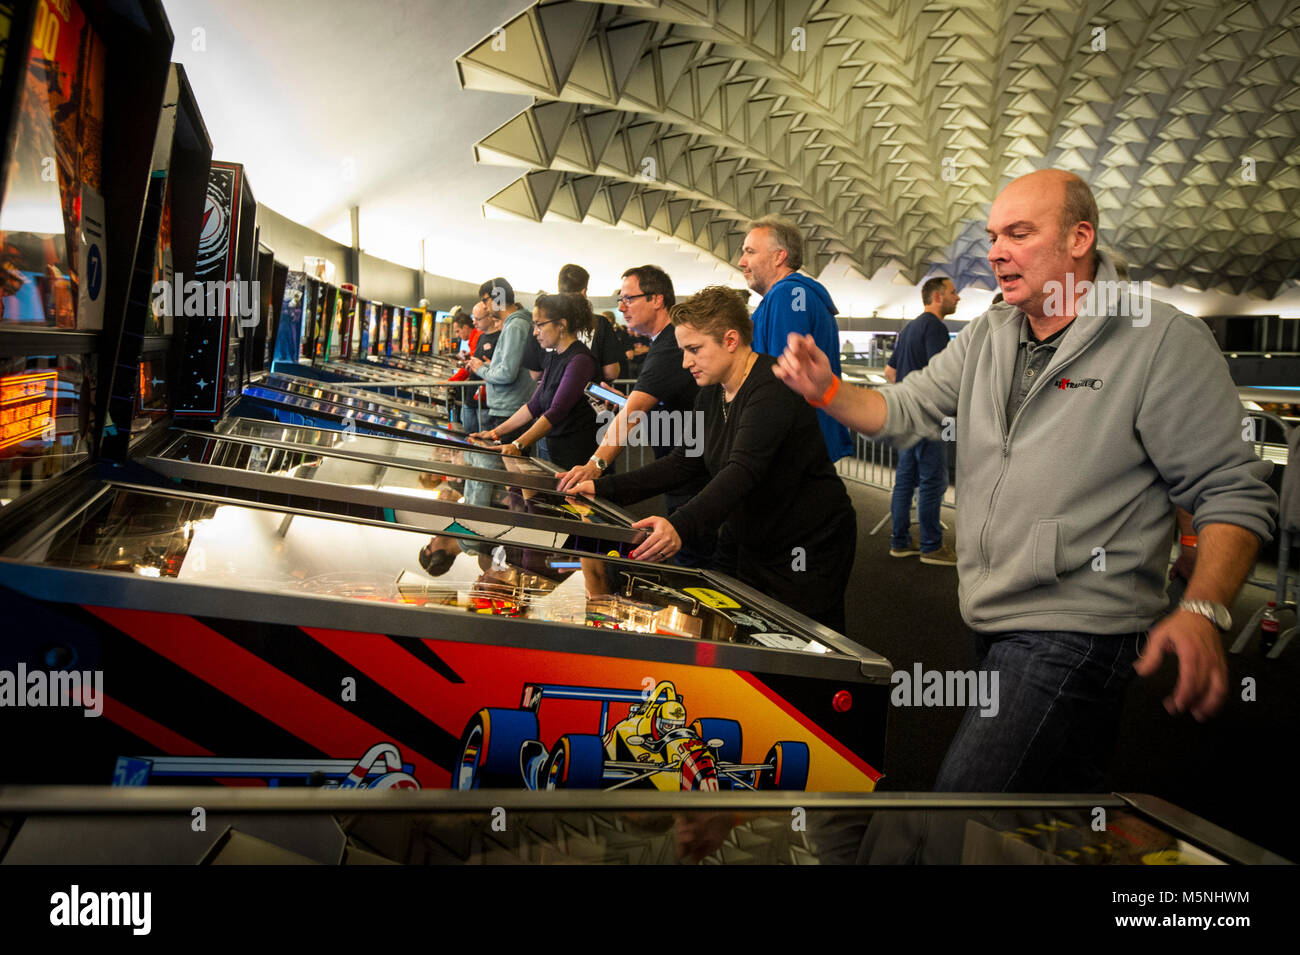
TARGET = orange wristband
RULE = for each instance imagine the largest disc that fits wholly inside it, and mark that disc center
(1188, 540)
(825, 400)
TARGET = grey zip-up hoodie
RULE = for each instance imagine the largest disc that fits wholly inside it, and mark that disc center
(1065, 515)
(509, 386)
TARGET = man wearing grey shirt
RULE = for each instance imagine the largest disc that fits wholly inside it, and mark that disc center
(1077, 426)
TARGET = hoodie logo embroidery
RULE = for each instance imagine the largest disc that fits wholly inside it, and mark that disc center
(1065, 383)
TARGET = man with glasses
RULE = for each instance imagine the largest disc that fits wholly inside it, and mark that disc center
(509, 385)
(663, 386)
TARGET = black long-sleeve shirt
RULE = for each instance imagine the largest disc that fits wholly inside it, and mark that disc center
(770, 475)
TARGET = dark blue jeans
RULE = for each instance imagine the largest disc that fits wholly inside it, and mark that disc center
(924, 463)
(1060, 696)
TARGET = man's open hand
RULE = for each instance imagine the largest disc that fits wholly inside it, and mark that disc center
(804, 367)
(1202, 668)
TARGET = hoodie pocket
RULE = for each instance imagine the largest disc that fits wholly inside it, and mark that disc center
(1046, 540)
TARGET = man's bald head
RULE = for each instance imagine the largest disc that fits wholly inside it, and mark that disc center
(1074, 195)
(1042, 227)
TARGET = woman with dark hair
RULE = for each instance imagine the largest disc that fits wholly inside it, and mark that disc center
(558, 409)
(786, 524)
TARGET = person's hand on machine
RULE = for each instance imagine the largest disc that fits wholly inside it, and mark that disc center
(490, 435)
(582, 489)
(582, 474)
(662, 543)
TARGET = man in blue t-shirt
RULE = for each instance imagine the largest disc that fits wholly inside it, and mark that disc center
(770, 259)
(926, 462)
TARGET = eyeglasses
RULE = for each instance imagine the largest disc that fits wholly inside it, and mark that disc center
(549, 321)
(627, 299)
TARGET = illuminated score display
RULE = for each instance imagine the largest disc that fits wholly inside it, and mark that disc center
(27, 407)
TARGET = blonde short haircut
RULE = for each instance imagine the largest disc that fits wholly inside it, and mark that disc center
(715, 310)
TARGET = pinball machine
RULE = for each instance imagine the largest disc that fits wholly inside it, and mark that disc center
(217, 573)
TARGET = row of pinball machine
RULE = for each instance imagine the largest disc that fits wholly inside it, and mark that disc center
(243, 543)
(238, 512)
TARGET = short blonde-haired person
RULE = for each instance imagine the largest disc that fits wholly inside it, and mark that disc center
(786, 525)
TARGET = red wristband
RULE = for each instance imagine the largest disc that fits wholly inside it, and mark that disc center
(825, 400)
(1188, 540)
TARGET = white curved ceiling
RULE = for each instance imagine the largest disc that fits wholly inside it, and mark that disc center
(613, 127)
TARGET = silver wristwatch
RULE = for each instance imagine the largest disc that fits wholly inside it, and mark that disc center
(601, 463)
(1217, 614)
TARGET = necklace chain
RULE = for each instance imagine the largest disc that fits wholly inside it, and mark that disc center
(726, 415)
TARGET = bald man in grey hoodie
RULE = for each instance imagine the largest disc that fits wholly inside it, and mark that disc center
(1080, 413)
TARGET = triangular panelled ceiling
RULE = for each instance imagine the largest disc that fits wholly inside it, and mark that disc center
(886, 128)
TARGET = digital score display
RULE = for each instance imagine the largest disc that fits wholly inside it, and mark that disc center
(27, 407)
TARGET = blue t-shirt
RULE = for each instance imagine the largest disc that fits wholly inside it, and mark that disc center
(800, 304)
(920, 340)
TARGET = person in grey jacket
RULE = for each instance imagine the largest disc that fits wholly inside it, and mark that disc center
(509, 385)
(1080, 417)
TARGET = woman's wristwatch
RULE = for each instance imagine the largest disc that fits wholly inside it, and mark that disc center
(601, 463)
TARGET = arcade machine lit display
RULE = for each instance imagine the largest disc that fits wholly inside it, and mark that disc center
(326, 301)
(425, 360)
(169, 240)
(290, 326)
(75, 74)
(314, 294)
(428, 332)
(340, 324)
(419, 380)
(215, 359)
(370, 330)
(411, 370)
(385, 329)
(342, 347)
(271, 276)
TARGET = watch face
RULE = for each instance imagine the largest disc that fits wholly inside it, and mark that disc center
(1218, 613)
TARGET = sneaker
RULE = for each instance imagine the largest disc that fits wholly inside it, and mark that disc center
(943, 557)
(911, 550)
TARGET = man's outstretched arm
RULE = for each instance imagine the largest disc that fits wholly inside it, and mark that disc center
(806, 370)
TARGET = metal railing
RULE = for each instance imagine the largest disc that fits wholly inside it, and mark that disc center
(875, 461)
